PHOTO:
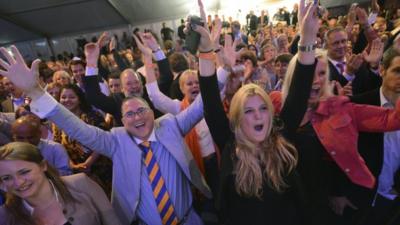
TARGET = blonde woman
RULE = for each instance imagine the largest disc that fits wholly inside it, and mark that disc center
(258, 180)
(61, 77)
(37, 195)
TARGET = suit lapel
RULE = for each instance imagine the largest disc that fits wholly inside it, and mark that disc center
(335, 75)
(184, 159)
(173, 147)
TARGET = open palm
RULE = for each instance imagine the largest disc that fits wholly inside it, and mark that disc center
(16, 70)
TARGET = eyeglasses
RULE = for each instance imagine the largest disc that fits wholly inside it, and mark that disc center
(140, 112)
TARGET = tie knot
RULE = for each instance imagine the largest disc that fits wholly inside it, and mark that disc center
(145, 144)
(341, 64)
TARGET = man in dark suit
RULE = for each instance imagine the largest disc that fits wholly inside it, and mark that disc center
(352, 69)
(15, 99)
(131, 83)
(380, 152)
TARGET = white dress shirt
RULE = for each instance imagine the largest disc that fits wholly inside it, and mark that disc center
(391, 158)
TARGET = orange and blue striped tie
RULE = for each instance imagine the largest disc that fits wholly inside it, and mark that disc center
(160, 192)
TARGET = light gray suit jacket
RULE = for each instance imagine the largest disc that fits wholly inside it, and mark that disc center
(126, 155)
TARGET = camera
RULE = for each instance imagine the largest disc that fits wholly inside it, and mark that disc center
(192, 37)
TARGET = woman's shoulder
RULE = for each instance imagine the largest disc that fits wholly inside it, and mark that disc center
(337, 102)
(76, 181)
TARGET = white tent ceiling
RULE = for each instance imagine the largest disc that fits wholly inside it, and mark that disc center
(23, 20)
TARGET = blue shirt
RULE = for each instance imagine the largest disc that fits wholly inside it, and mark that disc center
(177, 184)
(56, 155)
(391, 157)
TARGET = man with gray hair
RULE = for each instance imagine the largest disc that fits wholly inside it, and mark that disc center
(131, 83)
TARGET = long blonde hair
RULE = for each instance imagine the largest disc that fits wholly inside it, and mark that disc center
(270, 162)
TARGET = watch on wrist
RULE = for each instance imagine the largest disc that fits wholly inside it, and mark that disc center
(307, 48)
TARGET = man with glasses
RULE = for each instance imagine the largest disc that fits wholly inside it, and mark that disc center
(153, 169)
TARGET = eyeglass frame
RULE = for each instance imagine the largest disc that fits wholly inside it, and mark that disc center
(141, 111)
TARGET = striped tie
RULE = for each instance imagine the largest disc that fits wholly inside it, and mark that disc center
(160, 192)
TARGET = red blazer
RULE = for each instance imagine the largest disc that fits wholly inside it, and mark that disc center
(337, 122)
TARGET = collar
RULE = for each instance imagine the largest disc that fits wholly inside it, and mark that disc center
(152, 138)
(384, 101)
(40, 145)
(334, 62)
(31, 209)
(322, 108)
(20, 99)
(325, 105)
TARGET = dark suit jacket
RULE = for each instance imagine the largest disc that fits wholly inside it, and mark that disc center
(365, 80)
(7, 105)
(112, 104)
(370, 147)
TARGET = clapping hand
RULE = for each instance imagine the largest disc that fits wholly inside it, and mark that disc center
(346, 90)
(375, 54)
(353, 63)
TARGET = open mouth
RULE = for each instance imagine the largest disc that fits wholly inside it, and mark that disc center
(195, 92)
(139, 125)
(315, 90)
(258, 127)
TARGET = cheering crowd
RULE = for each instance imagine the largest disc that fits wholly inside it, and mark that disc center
(284, 123)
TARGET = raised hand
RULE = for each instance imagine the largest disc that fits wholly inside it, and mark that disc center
(149, 40)
(202, 13)
(144, 48)
(353, 63)
(216, 32)
(308, 21)
(16, 70)
(375, 6)
(92, 52)
(248, 71)
(113, 44)
(376, 52)
(206, 44)
(309, 25)
(103, 39)
(362, 16)
(351, 15)
(229, 51)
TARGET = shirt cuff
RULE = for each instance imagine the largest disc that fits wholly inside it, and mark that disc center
(44, 105)
(349, 77)
(92, 71)
(375, 71)
(159, 55)
(222, 75)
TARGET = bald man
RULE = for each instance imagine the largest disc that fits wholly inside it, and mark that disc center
(27, 129)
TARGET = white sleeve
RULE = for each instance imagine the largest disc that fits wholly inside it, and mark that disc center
(44, 105)
(222, 75)
(162, 102)
(104, 88)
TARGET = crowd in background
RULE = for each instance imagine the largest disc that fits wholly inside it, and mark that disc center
(329, 153)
